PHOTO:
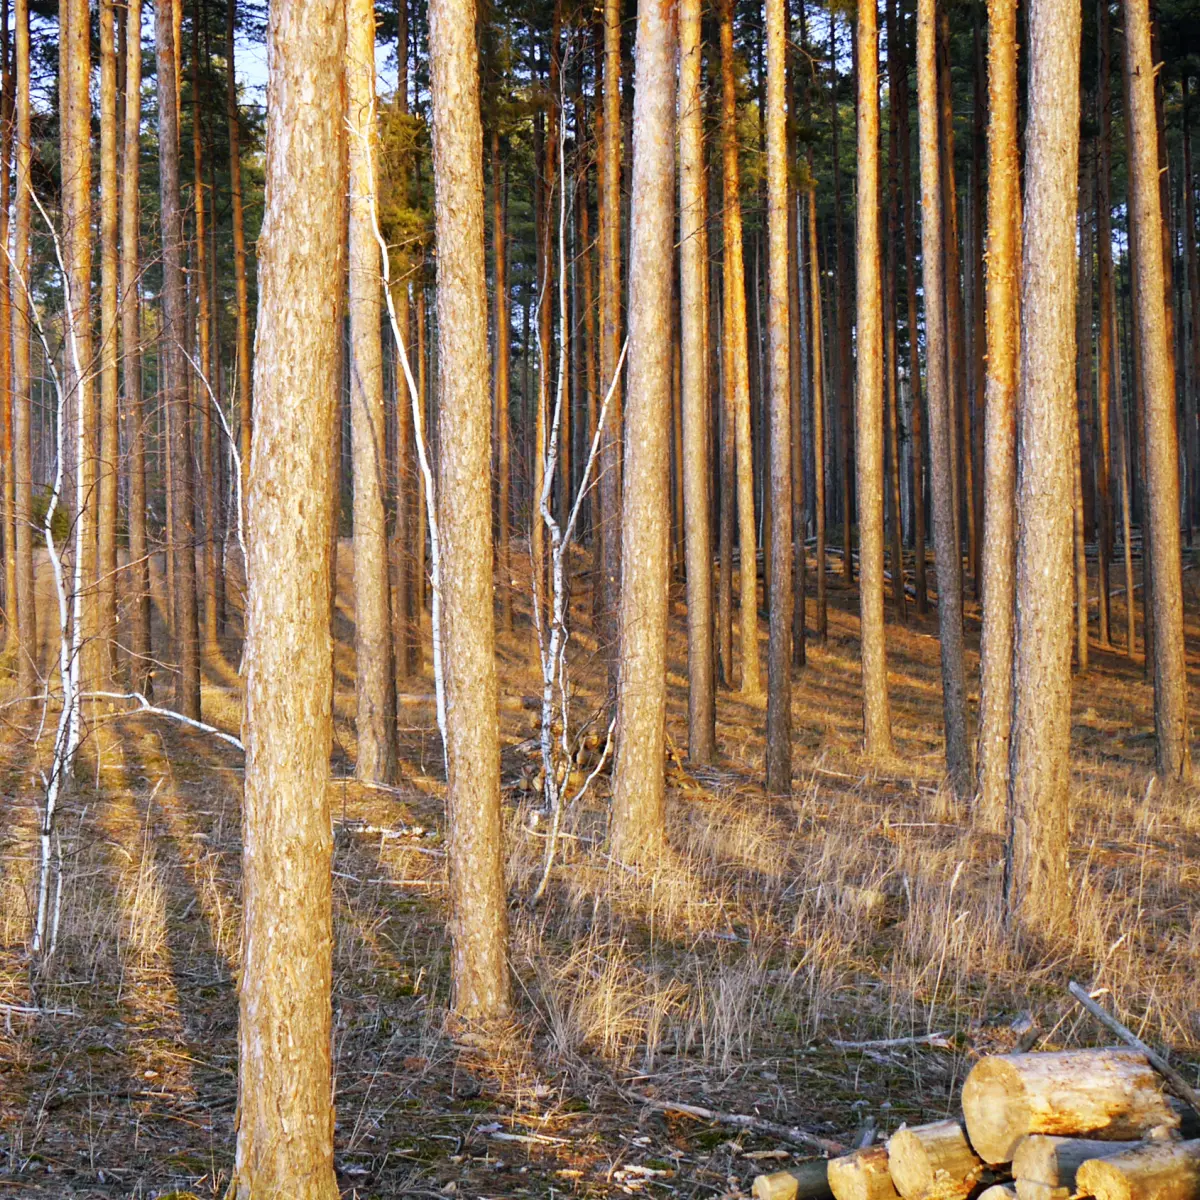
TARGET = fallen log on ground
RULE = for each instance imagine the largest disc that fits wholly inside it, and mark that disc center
(1044, 1167)
(863, 1175)
(934, 1162)
(1154, 1171)
(808, 1181)
(1114, 1095)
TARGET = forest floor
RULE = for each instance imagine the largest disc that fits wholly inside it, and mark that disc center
(866, 906)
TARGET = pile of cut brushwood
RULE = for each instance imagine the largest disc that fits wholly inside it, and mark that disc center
(1058, 1125)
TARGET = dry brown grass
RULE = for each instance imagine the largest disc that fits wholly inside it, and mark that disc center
(867, 905)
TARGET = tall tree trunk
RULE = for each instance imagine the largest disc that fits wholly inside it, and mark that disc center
(914, 353)
(1124, 467)
(844, 380)
(241, 299)
(500, 384)
(1105, 347)
(609, 209)
(9, 499)
(285, 1127)
(638, 781)
(736, 362)
(978, 294)
(1161, 436)
(796, 325)
(694, 464)
(818, 405)
(375, 679)
(75, 105)
(779, 418)
(998, 557)
(1191, 502)
(207, 497)
(109, 357)
(1037, 890)
(877, 716)
(22, 464)
(182, 549)
(1082, 406)
(478, 921)
(950, 627)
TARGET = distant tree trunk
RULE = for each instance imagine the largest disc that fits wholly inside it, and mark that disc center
(1190, 503)
(75, 105)
(1083, 405)
(914, 353)
(693, 237)
(998, 558)
(182, 550)
(796, 350)
(818, 405)
(609, 209)
(375, 679)
(11, 642)
(736, 361)
(958, 759)
(779, 415)
(877, 716)
(889, 319)
(844, 380)
(1037, 887)
(978, 291)
(241, 299)
(286, 1124)
(1161, 437)
(638, 780)
(500, 380)
(1124, 467)
(22, 468)
(1105, 343)
(478, 919)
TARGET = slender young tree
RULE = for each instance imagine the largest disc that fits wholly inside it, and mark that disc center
(285, 1126)
(375, 677)
(1083, 405)
(818, 404)
(1159, 430)
(949, 581)
(478, 913)
(998, 552)
(186, 632)
(22, 427)
(693, 238)
(877, 717)
(638, 781)
(1036, 882)
(1104, 343)
(736, 362)
(779, 418)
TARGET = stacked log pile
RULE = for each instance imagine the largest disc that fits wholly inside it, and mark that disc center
(1062, 1125)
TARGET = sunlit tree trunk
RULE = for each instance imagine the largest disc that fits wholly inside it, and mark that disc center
(779, 416)
(375, 680)
(949, 582)
(9, 495)
(182, 550)
(796, 326)
(877, 718)
(478, 921)
(638, 780)
(844, 380)
(818, 407)
(998, 552)
(1161, 436)
(693, 237)
(1083, 405)
(1105, 338)
(285, 1125)
(1037, 886)
(22, 432)
(736, 363)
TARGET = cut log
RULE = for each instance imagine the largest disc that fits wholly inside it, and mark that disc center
(998, 1191)
(1114, 1095)
(933, 1162)
(808, 1181)
(1154, 1171)
(1044, 1167)
(863, 1175)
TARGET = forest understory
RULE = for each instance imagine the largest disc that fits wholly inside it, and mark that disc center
(866, 906)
